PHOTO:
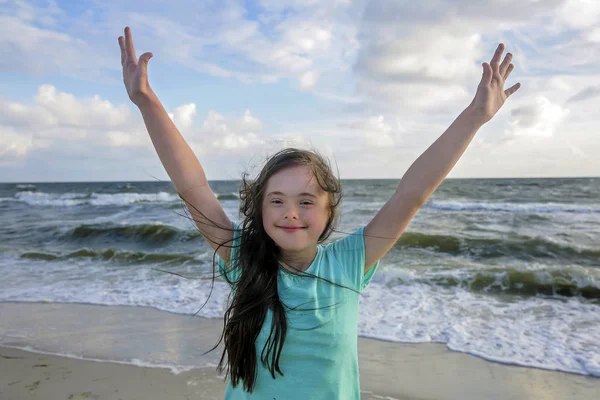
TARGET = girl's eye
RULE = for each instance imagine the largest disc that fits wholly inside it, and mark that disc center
(304, 203)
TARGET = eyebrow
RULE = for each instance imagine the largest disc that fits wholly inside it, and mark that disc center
(299, 194)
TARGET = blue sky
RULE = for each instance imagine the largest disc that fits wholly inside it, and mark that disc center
(371, 84)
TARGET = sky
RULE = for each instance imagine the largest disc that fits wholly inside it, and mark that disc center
(369, 84)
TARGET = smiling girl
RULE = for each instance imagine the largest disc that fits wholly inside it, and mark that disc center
(291, 327)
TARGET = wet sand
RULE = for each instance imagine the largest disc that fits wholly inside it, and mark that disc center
(117, 336)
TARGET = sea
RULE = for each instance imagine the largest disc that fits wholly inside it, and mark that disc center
(503, 269)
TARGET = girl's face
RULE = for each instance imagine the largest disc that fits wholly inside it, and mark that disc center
(293, 198)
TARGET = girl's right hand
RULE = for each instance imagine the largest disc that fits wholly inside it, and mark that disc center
(135, 72)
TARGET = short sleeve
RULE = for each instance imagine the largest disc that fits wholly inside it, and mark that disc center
(350, 252)
(232, 271)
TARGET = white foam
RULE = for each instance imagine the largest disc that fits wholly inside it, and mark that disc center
(536, 332)
(175, 369)
(550, 333)
(92, 284)
(96, 199)
(533, 208)
(25, 186)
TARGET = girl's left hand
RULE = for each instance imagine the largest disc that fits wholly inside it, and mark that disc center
(490, 94)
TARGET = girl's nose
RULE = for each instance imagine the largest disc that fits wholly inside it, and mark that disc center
(291, 213)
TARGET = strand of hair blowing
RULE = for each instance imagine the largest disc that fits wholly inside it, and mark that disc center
(256, 292)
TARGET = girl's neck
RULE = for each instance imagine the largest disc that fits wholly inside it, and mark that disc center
(298, 261)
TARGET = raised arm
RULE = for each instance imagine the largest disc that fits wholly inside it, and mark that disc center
(177, 157)
(430, 169)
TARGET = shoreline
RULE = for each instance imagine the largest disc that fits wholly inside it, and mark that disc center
(126, 333)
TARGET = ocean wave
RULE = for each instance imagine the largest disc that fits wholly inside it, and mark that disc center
(95, 199)
(125, 197)
(144, 233)
(24, 187)
(116, 255)
(521, 247)
(228, 196)
(530, 208)
(546, 282)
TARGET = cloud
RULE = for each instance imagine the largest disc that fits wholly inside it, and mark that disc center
(538, 120)
(586, 94)
(427, 56)
(309, 79)
(579, 13)
(232, 141)
(183, 116)
(88, 112)
(374, 131)
(247, 123)
(57, 114)
(58, 120)
(426, 69)
(41, 51)
(47, 16)
(12, 145)
(126, 139)
(397, 71)
(288, 46)
(226, 136)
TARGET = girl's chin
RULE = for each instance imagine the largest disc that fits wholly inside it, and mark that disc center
(291, 242)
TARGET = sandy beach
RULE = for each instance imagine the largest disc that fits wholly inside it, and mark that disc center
(114, 336)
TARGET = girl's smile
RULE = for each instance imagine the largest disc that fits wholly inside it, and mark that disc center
(291, 230)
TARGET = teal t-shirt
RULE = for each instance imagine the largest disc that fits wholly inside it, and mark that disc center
(319, 363)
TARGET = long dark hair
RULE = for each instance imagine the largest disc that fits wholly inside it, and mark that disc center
(255, 291)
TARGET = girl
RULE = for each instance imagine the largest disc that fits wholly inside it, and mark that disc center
(291, 327)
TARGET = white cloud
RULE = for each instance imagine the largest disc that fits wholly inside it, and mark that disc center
(126, 139)
(309, 79)
(88, 112)
(369, 62)
(13, 145)
(226, 136)
(427, 56)
(429, 68)
(183, 116)
(539, 120)
(60, 119)
(47, 15)
(59, 116)
(305, 37)
(588, 93)
(223, 42)
(290, 139)
(374, 130)
(231, 141)
(38, 51)
(19, 115)
(580, 13)
(247, 123)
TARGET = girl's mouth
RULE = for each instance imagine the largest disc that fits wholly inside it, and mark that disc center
(291, 229)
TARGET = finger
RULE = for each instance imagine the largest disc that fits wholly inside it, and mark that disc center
(129, 44)
(505, 64)
(495, 62)
(144, 58)
(122, 46)
(512, 89)
(486, 79)
(508, 71)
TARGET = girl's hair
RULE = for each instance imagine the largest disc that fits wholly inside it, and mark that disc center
(255, 292)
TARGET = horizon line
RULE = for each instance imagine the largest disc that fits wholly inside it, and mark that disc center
(341, 179)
